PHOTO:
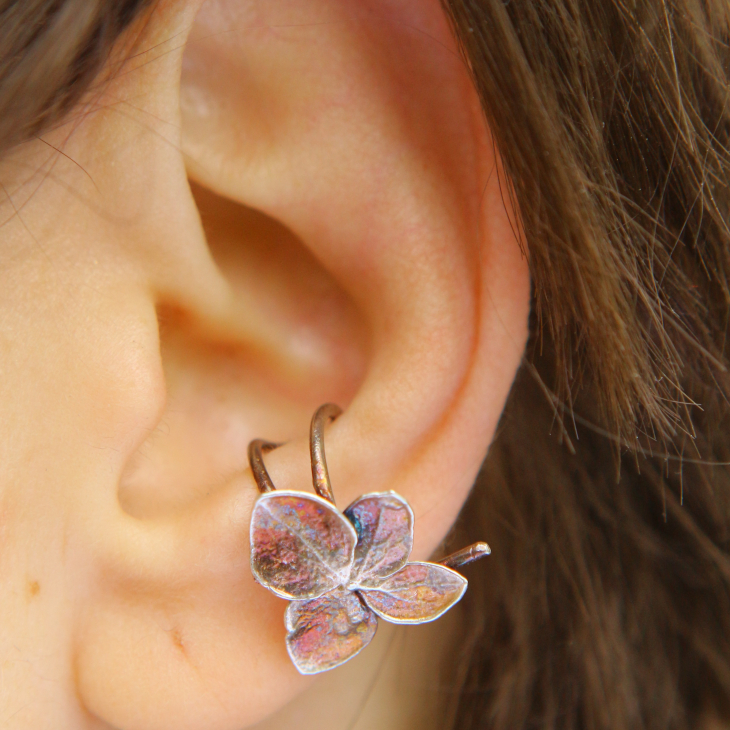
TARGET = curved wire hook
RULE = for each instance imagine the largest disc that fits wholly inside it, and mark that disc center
(256, 450)
(320, 475)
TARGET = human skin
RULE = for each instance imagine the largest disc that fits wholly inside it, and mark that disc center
(355, 247)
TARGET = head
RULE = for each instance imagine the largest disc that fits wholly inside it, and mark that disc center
(218, 215)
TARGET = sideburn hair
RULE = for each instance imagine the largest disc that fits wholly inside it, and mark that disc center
(50, 53)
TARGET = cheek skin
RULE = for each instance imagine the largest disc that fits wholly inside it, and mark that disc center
(82, 382)
(80, 387)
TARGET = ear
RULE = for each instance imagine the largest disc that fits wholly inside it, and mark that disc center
(355, 247)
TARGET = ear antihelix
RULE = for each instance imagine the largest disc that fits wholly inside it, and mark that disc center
(304, 549)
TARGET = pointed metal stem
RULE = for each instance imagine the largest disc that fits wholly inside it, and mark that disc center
(466, 555)
(256, 450)
(320, 475)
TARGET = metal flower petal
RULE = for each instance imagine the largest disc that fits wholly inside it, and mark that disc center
(418, 593)
(301, 545)
(384, 525)
(328, 631)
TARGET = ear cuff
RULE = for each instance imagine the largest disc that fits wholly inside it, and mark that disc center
(343, 570)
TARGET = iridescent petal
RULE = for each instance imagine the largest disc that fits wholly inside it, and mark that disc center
(384, 525)
(301, 545)
(327, 631)
(418, 593)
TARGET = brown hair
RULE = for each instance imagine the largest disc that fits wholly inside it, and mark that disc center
(609, 605)
(50, 51)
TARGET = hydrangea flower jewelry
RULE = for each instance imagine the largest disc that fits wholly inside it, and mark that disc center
(343, 570)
